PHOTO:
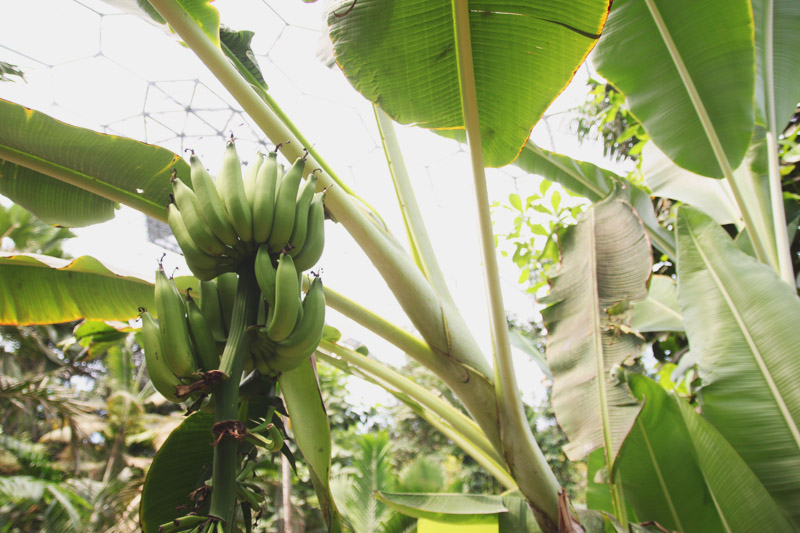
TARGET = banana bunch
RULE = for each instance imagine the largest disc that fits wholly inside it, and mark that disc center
(181, 345)
(293, 326)
(219, 223)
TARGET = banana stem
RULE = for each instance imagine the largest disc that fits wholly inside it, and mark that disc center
(245, 310)
(523, 455)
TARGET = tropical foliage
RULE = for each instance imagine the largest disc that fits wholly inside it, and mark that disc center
(713, 90)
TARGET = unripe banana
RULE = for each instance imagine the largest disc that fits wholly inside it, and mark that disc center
(199, 231)
(264, 198)
(164, 381)
(209, 203)
(305, 338)
(287, 301)
(308, 256)
(212, 311)
(250, 179)
(203, 341)
(285, 206)
(265, 273)
(173, 327)
(299, 230)
(202, 265)
(226, 284)
(231, 190)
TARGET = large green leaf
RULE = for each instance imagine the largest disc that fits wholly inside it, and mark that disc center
(181, 466)
(785, 45)
(72, 176)
(687, 69)
(605, 267)
(742, 325)
(656, 464)
(401, 56)
(594, 183)
(660, 311)
(39, 289)
(444, 507)
(668, 180)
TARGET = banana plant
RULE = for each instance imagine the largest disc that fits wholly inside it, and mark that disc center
(700, 80)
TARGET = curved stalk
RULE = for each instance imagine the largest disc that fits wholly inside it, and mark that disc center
(420, 242)
(459, 360)
(226, 395)
(442, 409)
(523, 455)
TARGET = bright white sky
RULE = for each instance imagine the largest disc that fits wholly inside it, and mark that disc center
(91, 65)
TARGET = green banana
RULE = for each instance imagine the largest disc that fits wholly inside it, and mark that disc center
(212, 312)
(285, 206)
(226, 283)
(231, 190)
(200, 232)
(299, 230)
(308, 256)
(287, 301)
(305, 338)
(160, 374)
(265, 273)
(202, 265)
(264, 198)
(210, 204)
(205, 347)
(173, 327)
(250, 179)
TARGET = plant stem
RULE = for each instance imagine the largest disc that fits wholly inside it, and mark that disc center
(226, 395)
(775, 187)
(412, 215)
(460, 422)
(523, 455)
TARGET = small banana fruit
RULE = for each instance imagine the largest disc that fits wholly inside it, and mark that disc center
(250, 179)
(231, 190)
(173, 327)
(265, 273)
(202, 265)
(200, 332)
(226, 284)
(264, 198)
(314, 243)
(302, 342)
(287, 301)
(210, 204)
(200, 232)
(164, 381)
(304, 198)
(285, 206)
(212, 311)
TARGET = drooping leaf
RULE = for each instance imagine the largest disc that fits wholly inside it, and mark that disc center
(38, 289)
(180, 466)
(673, 57)
(73, 176)
(785, 41)
(605, 265)
(668, 180)
(401, 56)
(660, 311)
(236, 44)
(594, 183)
(660, 476)
(445, 507)
(741, 322)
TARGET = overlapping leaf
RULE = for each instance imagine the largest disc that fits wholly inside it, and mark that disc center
(401, 56)
(741, 321)
(605, 266)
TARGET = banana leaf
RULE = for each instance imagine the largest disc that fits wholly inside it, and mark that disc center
(742, 325)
